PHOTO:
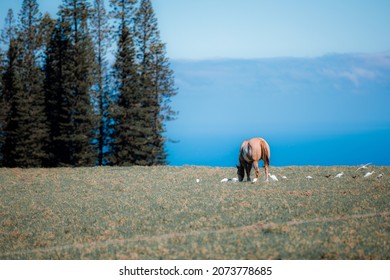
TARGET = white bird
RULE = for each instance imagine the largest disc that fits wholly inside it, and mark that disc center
(369, 174)
(339, 175)
(224, 180)
(309, 177)
(284, 177)
(363, 166)
(197, 180)
(379, 176)
(273, 177)
(234, 180)
(254, 180)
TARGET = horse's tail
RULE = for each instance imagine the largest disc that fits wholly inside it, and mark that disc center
(265, 151)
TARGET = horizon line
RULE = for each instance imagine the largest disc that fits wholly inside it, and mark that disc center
(221, 58)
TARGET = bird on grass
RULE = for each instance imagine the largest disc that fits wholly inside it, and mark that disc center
(224, 180)
(339, 175)
(309, 177)
(363, 166)
(368, 174)
(379, 176)
(273, 177)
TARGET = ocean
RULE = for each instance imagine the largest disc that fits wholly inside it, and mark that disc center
(286, 150)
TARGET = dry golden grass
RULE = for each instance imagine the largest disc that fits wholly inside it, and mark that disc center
(163, 213)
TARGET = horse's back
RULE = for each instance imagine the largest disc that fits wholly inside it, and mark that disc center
(255, 144)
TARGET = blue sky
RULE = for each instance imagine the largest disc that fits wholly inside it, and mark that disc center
(265, 28)
(204, 29)
(282, 70)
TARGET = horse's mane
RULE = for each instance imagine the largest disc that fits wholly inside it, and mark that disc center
(245, 147)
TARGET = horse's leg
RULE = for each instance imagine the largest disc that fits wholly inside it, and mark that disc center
(256, 165)
(248, 168)
(266, 171)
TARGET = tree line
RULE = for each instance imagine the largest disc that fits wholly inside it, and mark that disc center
(63, 103)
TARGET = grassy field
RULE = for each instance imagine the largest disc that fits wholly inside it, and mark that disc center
(163, 213)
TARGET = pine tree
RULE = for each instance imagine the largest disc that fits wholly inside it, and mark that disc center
(58, 90)
(100, 33)
(144, 87)
(128, 132)
(3, 107)
(46, 30)
(9, 32)
(26, 129)
(32, 79)
(14, 148)
(8, 35)
(70, 59)
(157, 82)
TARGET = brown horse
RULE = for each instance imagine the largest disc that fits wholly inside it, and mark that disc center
(251, 152)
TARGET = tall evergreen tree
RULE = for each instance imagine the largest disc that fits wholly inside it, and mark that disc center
(58, 89)
(157, 82)
(100, 33)
(14, 100)
(8, 36)
(46, 30)
(70, 58)
(3, 106)
(128, 132)
(26, 130)
(32, 79)
(9, 32)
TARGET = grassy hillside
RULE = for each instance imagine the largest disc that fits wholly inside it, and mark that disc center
(163, 213)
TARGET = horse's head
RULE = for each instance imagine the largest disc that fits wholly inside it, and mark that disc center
(240, 172)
